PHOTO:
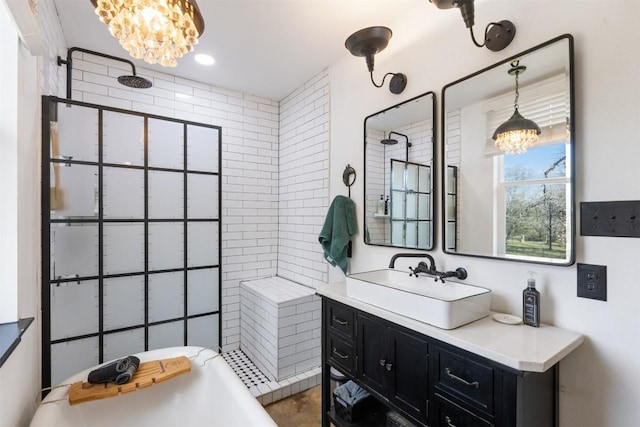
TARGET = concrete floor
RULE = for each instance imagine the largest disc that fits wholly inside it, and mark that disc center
(299, 410)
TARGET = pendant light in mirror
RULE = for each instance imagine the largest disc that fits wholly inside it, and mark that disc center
(517, 134)
(369, 41)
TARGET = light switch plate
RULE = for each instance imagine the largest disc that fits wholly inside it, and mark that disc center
(614, 219)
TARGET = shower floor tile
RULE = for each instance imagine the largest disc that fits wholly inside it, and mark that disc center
(263, 389)
(244, 368)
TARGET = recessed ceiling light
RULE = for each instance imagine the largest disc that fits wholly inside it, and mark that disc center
(204, 59)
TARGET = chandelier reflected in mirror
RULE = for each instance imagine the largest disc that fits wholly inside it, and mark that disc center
(157, 31)
(516, 135)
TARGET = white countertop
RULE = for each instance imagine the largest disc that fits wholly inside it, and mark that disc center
(521, 347)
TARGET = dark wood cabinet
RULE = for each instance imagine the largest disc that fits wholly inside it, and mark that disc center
(372, 352)
(427, 381)
(394, 361)
(339, 322)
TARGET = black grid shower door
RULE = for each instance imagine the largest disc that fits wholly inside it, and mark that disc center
(131, 235)
(410, 210)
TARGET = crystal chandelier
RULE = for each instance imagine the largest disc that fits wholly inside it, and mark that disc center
(158, 31)
(517, 134)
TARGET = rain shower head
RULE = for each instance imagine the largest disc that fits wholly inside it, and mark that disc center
(133, 81)
(391, 141)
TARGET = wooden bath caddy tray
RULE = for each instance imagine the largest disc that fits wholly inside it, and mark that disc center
(148, 373)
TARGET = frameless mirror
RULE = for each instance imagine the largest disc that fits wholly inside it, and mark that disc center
(512, 203)
(398, 181)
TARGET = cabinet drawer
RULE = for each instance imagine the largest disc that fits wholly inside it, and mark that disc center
(449, 414)
(466, 379)
(341, 353)
(341, 319)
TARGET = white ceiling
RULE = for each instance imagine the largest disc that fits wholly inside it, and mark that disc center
(266, 48)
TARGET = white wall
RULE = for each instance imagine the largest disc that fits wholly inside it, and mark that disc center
(8, 168)
(20, 375)
(598, 382)
(475, 186)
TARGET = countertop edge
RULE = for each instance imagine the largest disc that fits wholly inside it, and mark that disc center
(11, 335)
(561, 342)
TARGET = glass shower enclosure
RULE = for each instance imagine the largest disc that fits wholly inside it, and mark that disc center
(131, 235)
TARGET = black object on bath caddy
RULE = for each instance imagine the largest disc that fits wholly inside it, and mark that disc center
(119, 371)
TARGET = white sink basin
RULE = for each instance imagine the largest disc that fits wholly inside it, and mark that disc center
(445, 305)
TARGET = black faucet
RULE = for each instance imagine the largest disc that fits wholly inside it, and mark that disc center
(460, 273)
(422, 268)
(432, 263)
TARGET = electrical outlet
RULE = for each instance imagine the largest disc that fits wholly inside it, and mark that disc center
(592, 281)
(614, 219)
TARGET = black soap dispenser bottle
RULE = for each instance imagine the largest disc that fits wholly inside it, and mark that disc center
(531, 303)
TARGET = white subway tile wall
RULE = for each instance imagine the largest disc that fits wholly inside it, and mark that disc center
(304, 181)
(52, 77)
(249, 162)
(280, 326)
(256, 135)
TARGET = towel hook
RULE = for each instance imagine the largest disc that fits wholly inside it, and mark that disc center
(346, 177)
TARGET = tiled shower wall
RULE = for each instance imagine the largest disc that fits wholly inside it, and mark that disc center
(304, 181)
(253, 214)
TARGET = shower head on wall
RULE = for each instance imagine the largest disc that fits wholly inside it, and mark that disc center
(133, 81)
(391, 141)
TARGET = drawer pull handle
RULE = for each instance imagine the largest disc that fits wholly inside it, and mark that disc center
(340, 321)
(448, 420)
(340, 355)
(475, 384)
(389, 366)
(383, 362)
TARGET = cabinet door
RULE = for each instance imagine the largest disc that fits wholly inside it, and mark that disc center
(372, 352)
(409, 373)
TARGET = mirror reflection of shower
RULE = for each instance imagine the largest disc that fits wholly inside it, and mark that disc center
(398, 149)
(392, 141)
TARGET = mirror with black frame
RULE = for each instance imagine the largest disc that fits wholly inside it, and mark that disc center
(398, 181)
(508, 158)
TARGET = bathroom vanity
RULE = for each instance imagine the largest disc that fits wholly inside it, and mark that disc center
(484, 373)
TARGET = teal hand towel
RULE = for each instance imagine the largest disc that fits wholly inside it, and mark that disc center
(339, 226)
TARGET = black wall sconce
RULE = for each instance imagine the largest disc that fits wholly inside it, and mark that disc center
(497, 35)
(369, 41)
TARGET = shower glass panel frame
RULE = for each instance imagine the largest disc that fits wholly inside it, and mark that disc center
(410, 204)
(134, 228)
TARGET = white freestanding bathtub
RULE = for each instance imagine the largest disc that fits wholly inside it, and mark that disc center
(210, 395)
